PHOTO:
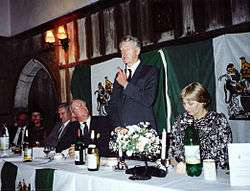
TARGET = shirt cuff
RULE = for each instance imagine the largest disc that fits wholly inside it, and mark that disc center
(125, 86)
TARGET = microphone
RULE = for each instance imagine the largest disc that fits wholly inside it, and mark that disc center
(126, 69)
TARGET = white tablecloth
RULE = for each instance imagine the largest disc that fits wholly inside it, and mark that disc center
(68, 176)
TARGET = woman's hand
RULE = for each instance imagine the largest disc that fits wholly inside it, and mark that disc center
(181, 168)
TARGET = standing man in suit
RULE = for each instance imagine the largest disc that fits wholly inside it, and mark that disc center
(134, 89)
(57, 136)
(86, 123)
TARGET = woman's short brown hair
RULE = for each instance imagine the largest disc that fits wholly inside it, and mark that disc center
(196, 92)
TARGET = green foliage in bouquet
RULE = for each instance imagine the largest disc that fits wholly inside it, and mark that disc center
(138, 141)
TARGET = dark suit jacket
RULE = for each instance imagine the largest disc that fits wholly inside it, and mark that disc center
(134, 104)
(52, 139)
(100, 124)
(12, 133)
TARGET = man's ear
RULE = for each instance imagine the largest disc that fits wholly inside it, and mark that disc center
(138, 51)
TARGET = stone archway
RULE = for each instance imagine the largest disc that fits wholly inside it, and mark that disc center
(35, 91)
(25, 82)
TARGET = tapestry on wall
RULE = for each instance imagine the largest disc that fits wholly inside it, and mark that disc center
(231, 54)
(232, 73)
(102, 77)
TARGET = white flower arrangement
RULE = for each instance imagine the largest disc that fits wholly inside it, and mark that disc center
(138, 141)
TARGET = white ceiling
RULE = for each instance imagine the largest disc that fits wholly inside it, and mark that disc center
(17, 16)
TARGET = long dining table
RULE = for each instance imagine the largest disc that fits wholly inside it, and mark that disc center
(70, 177)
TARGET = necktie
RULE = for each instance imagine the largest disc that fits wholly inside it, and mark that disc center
(86, 129)
(20, 136)
(129, 74)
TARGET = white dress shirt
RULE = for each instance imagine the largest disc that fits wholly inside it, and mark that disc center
(19, 130)
(82, 125)
(134, 67)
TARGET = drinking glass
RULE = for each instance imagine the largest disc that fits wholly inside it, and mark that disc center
(46, 151)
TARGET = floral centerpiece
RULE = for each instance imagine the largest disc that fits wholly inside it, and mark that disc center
(138, 141)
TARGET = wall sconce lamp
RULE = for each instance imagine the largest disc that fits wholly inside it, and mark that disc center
(61, 35)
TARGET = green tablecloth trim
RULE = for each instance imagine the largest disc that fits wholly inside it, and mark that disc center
(44, 179)
(8, 176)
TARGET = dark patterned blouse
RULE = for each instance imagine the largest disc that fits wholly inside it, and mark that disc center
(214, 132)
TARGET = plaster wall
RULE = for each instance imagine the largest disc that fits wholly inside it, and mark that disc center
(27, 14)
(4, 18)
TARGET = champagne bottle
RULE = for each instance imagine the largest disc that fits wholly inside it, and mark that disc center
(80, 149)
(192, 150)
(93, 154)
(27, 148)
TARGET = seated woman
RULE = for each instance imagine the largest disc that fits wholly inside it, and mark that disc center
(37, 129)
(214, 130)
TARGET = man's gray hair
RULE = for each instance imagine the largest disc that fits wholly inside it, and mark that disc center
(130, 38)
(77, 102)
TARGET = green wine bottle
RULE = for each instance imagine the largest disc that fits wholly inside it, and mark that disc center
(192, 150)
(80, 149)
(27, 147)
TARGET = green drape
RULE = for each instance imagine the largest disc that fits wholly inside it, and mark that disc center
(8, 176)
(44, 179)
(188, 63)
(81, 84)
(154, 58)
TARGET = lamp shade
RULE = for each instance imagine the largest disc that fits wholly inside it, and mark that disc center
(61, 34)
(49, 37)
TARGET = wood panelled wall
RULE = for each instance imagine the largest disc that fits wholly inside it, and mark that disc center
(96, 34)
(95, 31)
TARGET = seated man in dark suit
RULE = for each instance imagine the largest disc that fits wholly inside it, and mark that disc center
(58, 133)
(86, 123)
(17, 132)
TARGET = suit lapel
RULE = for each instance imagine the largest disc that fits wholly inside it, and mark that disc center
(134, 78)
(63, 132)
(92, 124)
(137, 73)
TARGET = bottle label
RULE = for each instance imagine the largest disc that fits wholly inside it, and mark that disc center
(77, 155)
(4, 143)
(27, 154)
(92, 161)
(192, 154)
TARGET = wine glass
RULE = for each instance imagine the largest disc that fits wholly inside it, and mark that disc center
(52, 152)
(46, 151)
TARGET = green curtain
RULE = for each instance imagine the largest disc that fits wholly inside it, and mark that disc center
(8, 176)
(44, 179)
(81, 84)
(188, 63)
(154, 58)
